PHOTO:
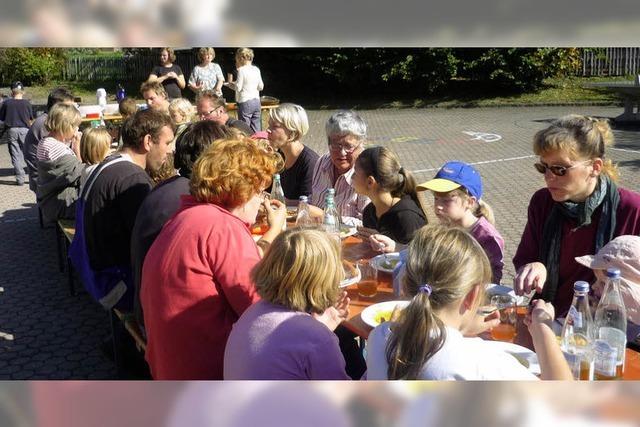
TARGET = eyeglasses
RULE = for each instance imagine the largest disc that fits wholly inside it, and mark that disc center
(208, 113)
(556, 170)
(339, 147)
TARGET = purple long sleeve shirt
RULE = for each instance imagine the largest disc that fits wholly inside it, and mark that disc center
(272, 342)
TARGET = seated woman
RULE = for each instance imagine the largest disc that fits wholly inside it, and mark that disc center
(446, 274)
(60, 164)
(288, 334)
(195, 277)
(288, 123)
(579, 211)
(394, 210)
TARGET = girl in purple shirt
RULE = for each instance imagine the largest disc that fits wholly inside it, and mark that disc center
(289, 334)
(457, 192)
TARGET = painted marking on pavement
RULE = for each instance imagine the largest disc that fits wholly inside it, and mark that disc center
(486, 137)
(480, 163)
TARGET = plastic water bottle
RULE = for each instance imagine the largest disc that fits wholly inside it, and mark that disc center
(304, 216)
(120, 93)
(277, 193)
(577, 334)
(611, 329)
(331, 220)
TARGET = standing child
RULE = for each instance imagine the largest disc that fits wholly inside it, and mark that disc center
(248, 86)
(446, 274)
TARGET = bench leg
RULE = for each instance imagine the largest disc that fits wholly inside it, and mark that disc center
(40, 219)
(72, 289)
(59, 243)
(116, 334)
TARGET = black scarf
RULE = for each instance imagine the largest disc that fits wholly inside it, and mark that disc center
(605, 194)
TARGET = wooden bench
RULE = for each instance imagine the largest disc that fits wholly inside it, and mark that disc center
(65, 230)
(134, 328)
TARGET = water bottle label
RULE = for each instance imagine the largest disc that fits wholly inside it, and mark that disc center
(615, 338)
(576, 316)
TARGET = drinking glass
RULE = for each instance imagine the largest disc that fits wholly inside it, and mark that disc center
(368, 284)
(506, 305)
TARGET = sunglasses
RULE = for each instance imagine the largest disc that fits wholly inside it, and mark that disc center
(556, 170)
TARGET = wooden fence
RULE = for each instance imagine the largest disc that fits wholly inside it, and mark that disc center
(618, 61)
(125, 69)
(595, 62)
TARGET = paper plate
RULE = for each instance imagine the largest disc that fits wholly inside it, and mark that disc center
(373, 314)
(347, 231)
(387, 264)
(526, 357)
(352, 274)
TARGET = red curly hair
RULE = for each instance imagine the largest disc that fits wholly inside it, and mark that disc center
(230, 171)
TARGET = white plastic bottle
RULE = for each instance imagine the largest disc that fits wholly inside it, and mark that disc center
(611, 329)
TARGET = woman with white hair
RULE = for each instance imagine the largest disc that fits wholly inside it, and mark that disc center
(288, 123)
(346, 136)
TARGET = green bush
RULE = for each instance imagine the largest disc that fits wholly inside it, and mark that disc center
(519, 69)
(31, 65)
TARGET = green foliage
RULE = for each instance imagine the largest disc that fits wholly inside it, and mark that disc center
(31, 65)
(382, 69)
(517, 69)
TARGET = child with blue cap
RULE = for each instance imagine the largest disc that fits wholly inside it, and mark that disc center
(457, 191)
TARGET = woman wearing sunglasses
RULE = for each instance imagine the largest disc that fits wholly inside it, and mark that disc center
(579, 211)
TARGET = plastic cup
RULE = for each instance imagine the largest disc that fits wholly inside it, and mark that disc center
(368, 284)
(506, 330)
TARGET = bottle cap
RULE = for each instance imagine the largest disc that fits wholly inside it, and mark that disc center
(613, 273)
(332, 191)
(581, 286)
(276, 176)
(304, 199)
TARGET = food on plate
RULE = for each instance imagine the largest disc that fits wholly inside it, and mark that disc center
(346, 231)
(389, 263)
(386, 315)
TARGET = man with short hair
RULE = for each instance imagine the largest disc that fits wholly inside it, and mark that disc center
(17, 115)
(155, 96)
(37, 133)
(210, 106)
(116, 189)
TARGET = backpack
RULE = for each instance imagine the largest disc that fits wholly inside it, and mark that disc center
(111, 287)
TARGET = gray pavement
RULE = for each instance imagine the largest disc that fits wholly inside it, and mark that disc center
(57, 336)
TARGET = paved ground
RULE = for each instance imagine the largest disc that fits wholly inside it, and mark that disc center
(58, 336)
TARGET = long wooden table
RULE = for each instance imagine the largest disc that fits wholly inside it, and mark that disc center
(355, 248)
